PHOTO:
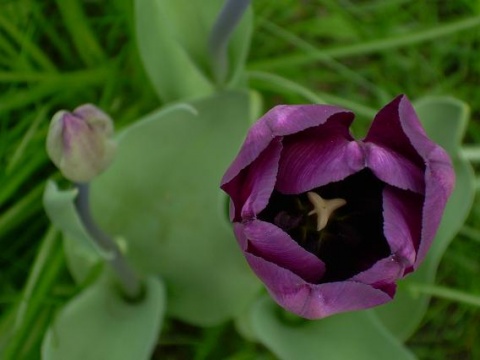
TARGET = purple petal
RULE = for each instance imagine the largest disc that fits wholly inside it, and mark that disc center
(397, 127)
(402, 214)
(269, 242)
(440, 181)
(280, 121)
(388, 130)
(314, 301)
(391, 154)
(394, 169)
(318, 156)
(439, 176)
(250, 190)
(96, 118)
(383, 273)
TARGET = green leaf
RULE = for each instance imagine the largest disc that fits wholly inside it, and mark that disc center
(162, 196)
(172, 37)
(81, 251)
(445, 120)
(100, 324)
(355, 335)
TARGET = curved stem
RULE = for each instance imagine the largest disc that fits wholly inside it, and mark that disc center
(128, 279)
(222, 30)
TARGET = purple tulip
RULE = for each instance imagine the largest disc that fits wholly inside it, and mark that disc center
(327, 222)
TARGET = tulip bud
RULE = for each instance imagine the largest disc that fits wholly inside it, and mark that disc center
(80, 144)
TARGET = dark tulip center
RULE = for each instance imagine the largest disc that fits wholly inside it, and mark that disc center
(352, 239)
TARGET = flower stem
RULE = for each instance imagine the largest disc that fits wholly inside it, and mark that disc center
(129, 281)
(222, 30)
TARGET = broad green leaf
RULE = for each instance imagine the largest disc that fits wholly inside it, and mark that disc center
(82, 252)
(162, 196)
(100, 324)
(355, 335)
(445, 120)
(172, 37)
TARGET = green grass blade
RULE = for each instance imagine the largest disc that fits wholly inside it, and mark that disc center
(370, 46)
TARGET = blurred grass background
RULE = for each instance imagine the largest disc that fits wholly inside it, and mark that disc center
(58, 54)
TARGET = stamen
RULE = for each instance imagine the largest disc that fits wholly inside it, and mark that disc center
(323, 208)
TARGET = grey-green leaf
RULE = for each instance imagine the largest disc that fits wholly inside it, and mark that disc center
(162, 196)
(445, 120)
(355, 335)
(82, 252)
(172, 37)
(100, 324)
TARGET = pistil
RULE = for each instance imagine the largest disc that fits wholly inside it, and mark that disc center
(323, 208)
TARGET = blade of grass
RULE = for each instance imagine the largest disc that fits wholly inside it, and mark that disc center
(45, 251)
(44, 282)
(83, 37)
(23, 98)
(56, 85)
(26, 44)
(342, 70)
(26, 139)
(471, 153)
(10, 184)
(39, 11)
(280, 82)
(92, 75)
(370, 46)
(445, 293)
(21, 210)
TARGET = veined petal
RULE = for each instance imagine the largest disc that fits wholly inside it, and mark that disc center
(398, 128)
(251, 188)
(440, 181)
(393, 129)
(394, 169)
(402, 214)
(280, 121)
(318, 156)
(314, 301)
(271, 243)
(439, 176)
(383, 274)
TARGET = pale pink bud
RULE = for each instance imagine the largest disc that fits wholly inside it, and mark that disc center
(80, 143)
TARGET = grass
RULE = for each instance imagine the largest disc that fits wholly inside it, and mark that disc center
(59, 54)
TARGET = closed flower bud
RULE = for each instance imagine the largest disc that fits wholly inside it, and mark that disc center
(80, 143)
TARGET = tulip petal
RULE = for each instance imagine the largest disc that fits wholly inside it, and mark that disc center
(252, 187)
(383, 274)
(280, 121)
(273, 244)
(398, 128)
(439, 176)
(319, 156)
(402, 214)
(394, 169)
(390, 152)
(393, 129)
(314, 301)
(440, 181)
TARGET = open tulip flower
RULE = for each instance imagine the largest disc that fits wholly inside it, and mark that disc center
(327, 222)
